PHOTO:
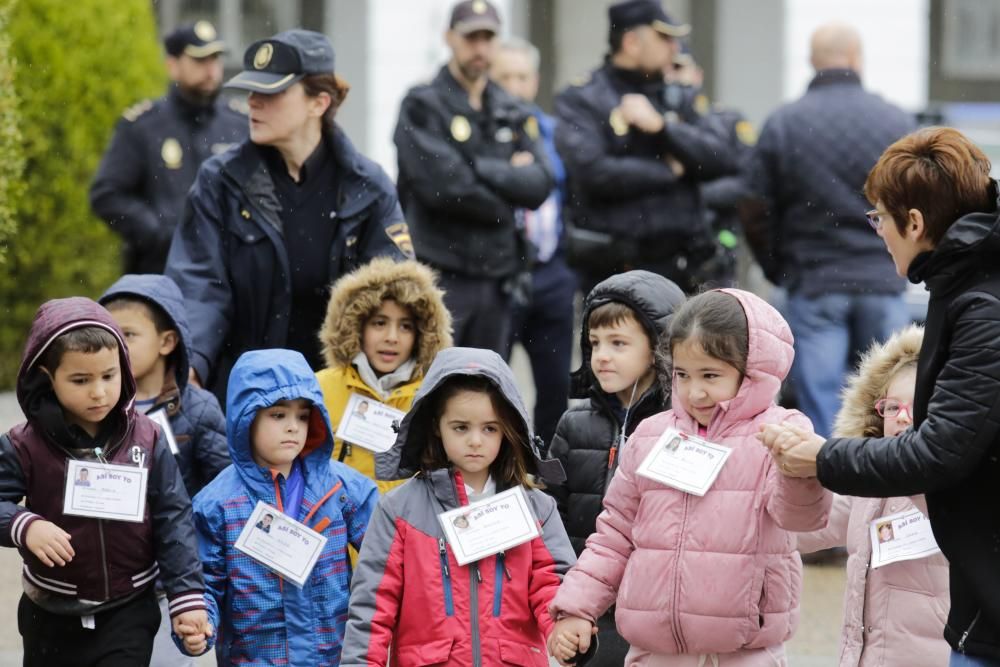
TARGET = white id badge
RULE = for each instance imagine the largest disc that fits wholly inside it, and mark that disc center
(161, 418)
(903, 536)
(489, 526)
(368, 423)
(105, 491)
(685, 462)
(280, 543)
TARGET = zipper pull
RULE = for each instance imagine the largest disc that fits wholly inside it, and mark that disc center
(444, 556)
(503, 563)
(479, 575)
(611, 456)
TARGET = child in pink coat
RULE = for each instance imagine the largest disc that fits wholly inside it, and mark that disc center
(712, 579)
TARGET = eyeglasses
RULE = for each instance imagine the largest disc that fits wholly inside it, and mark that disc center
(875, 218)
(891, 408)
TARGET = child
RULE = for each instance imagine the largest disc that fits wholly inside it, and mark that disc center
(624, 318)
(384, 324)
(280, 442)
(89, 579)
(712, 579)
(893, 615)
(150, 311)
(467, 437)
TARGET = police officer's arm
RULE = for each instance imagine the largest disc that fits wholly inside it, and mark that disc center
(528, 186)
(702, 147)
(437, 173)
(580, 141)
(116, 193)
(761, 213)
(385, 234)
(728, 192)
(197, 264)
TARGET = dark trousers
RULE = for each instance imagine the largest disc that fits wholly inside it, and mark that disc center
(481, 311)
(612, 649)
(122, 637)
(545, 328)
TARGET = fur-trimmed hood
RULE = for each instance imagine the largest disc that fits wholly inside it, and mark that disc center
(356, 296)
(857, 417)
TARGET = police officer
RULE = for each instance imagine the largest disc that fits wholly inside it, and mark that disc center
(158, 146)
(635, 157)
(469, 158)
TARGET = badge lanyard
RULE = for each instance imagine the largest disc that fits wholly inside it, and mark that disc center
(620, 444)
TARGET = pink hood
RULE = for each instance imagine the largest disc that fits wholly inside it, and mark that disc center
(714, 574)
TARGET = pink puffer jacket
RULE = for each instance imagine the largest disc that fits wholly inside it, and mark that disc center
(894, 616)
(714, 574)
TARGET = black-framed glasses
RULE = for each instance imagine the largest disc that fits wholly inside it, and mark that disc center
(875, 218)
(891, 408)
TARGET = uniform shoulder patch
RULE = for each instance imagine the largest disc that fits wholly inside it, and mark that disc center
(701, 104)
(746, 133)
(399, 234)
(239, 105)
(133, 112)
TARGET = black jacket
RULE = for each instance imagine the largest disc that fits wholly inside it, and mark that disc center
(620, 183)
(229, 258)
(952, 453)
(456, 184)
(149, 167)
(588, 436)
(808, 171)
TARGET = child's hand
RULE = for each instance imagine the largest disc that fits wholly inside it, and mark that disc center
(570, 636)
(49, 543)
(194, 630)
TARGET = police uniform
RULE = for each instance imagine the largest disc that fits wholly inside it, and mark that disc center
(627, 207)
(154, 155)
(461, 195)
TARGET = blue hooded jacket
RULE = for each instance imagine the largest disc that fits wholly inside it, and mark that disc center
(196, 419)
(259, 617)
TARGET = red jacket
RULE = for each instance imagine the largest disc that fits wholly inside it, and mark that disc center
(409, 591)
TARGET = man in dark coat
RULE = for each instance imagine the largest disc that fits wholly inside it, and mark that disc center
(807, 232)
(936, 208)
(635, 158)
(158, 146)
(469, 160)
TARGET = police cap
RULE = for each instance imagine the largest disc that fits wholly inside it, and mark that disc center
(472, 16)
(271, 65)
(198, 40)
(630, 14)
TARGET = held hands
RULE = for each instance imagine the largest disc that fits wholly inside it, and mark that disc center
(194, 630)
(569, 637)
(638, 111)
(794, 449)
(49, 543)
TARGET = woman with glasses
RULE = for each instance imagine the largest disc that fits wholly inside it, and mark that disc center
(893, 615)
(936, 210)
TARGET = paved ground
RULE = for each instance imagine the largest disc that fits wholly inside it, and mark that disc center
(815, 644)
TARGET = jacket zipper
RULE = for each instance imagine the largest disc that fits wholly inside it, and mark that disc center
(104, 560)
(674, 624)
(449, 607)
(475, 578)
(965, 635)
(501, 572)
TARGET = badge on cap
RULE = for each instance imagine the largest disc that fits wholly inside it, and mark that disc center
(479, 7)
(171, 153)
(205, 31)
(460, 128)
(618, 123)
(531, 127)
(263, 55)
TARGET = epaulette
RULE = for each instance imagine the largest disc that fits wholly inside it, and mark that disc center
(133, 112)
(239, 105)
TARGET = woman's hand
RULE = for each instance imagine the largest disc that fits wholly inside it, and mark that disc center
(794, 449)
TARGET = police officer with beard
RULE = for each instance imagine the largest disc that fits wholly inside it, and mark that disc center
(469, 163)
(636, 157)
(144, 177)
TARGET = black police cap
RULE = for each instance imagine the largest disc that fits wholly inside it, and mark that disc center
(630, 14)
(198, 40)
(472, 16)
(273, 64)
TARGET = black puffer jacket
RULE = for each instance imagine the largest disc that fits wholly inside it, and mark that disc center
(587, 434)
(953, 451)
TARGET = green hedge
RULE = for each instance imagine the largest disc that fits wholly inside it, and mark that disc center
(11, 154)
(79, 65)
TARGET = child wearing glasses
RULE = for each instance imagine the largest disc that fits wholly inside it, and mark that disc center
(893, 615)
